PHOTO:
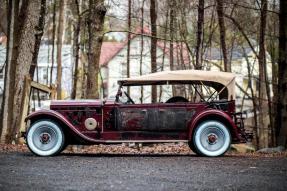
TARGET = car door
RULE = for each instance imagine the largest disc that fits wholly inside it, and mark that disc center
(136, 117)
(171, 117)
(174, 116)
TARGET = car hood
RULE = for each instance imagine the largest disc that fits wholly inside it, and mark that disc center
(76, 103)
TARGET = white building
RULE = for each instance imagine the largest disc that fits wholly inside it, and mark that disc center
(242, 58)
(114, 65)
(44, 67)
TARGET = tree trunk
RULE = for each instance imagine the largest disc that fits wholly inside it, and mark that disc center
(263, 126)
(199, 35)
(199, 43)
(171, 35)
(129, 43)
(142, 48)
(183, 32)
(76, 50)
(20, 52)
(53, 42)
(227, 65)
(274, 61)
(3, 14)
(153, 46)
(97, 13)
(282, 76)
(59, 48)
(38, 37)
(9, 81)
(163, 55)
(254, 99)
(83, 58)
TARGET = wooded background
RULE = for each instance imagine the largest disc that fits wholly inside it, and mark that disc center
(198, 25)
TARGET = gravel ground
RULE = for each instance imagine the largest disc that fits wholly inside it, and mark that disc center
(82, 171)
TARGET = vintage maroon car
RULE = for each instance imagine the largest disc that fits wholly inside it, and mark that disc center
(208, 126)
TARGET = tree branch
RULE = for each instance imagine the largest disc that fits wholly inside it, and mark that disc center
(243, 33)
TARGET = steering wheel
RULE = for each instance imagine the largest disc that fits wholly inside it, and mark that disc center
(130, 99)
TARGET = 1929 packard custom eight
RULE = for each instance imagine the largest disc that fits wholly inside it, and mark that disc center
(208, 126)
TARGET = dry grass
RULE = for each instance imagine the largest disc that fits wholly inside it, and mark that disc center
(166, 148)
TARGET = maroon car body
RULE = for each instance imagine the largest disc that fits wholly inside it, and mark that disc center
(138, 122)
(118, 122)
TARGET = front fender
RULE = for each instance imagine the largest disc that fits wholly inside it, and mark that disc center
(44, 114)
(213, 113)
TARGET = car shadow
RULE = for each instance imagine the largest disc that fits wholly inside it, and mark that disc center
(126, 155)
(111, 155)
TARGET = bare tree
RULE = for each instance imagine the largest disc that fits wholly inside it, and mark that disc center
(263, 132)
(59, 48)
(129, 43)
(76, 45)
(153, 17)
(97, 13)
(22, 21)
(282, 76)
(199, 44)
(9, 81)
(164, 47)
(3, 15)
(38, 37)
(53, 41)
(142, 47)
(171, 33)
(227, 65)
(172, 4)
(272, 47)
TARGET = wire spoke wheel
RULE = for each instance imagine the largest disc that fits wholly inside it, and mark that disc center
(212, 138)
(45, 138)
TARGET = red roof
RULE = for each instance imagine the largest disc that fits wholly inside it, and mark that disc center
(110, 49)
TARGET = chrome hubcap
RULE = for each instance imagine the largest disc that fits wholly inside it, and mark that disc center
(212, 138)
(45, 138)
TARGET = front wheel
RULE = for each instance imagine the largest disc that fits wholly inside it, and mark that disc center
(45, 138)
(212, 138)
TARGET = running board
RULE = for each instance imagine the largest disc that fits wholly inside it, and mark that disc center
(144, 141)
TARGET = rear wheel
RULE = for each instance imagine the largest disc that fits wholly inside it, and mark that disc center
(211, 138)
(45, 138)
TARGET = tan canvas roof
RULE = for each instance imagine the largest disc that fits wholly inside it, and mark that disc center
(217, 80)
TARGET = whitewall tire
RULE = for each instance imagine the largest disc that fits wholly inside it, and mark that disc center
(212, 138)
(45, 138)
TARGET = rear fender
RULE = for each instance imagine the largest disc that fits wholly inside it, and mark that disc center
(50, 114)
(213, 114)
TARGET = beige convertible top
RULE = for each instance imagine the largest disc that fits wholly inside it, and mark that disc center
(223, 82)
